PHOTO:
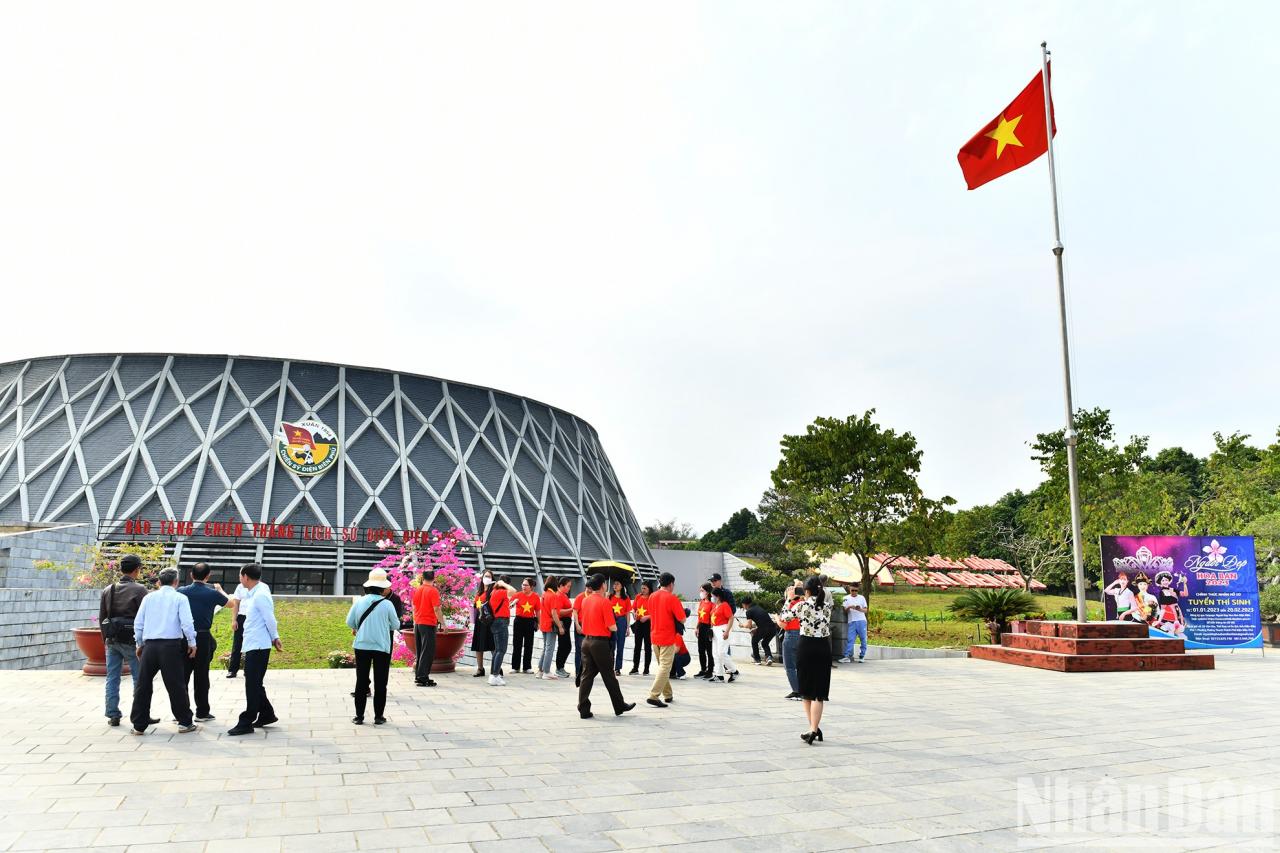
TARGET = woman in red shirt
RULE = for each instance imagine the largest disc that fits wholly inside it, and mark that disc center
(721, 627)
(548, 626)
(640, 628)
(526, 605)
(621, 606)
(705, 657)
(491, 636)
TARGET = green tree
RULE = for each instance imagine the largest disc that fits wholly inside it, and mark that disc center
(853, 480)
(740, 527)
(778, 537)
(664, 531)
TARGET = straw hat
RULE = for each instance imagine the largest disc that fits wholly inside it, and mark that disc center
(378, 578)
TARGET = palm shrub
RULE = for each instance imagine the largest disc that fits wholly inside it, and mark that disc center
(993, 606)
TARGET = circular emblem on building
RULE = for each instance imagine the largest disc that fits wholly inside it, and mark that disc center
(306, 447)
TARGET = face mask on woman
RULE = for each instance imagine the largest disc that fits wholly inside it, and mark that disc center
(488, 580)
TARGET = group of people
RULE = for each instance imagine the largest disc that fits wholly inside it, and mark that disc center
(168, 631)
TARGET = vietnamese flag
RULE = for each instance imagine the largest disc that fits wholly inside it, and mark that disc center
(297, 435)
(1009, 141)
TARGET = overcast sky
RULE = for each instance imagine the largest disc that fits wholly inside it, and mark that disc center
(696, 226)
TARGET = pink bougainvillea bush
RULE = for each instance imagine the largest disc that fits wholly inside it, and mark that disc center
(439, 550)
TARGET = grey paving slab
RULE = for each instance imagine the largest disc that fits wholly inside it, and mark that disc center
(920, 755)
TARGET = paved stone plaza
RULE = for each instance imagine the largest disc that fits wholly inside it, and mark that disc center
(920, 755)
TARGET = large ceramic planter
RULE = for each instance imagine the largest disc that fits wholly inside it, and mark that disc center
(1271, 633)
(448, 643)
(89, 642)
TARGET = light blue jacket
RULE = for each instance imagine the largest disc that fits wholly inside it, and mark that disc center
(375, 634)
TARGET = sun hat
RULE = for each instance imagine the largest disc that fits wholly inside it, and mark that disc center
(378, 578)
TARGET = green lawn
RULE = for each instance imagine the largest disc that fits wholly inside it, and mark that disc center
(308, 629)
(935, 631)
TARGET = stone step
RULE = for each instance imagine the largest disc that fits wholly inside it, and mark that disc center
(1088, 630)
(1107, 646)
(1090, 663)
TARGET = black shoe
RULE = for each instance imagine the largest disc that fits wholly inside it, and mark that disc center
(733, 676)
(818, 732)
(240, 730)
(657, 703)
(113, 721)
(205, 718)
(153, 721)
(586, 715)
(430, 683)
(265, 722)
(379, 721)
(792, 695)
(719, 678)
(625, 708)
(359, 721)
(635, 671)
(646, 672)
(479, 673)
(809, 737)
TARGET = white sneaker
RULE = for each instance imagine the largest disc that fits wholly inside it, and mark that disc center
(500, 681)
(845, 660)
(538, 674)
(550, 676)
(493, 681)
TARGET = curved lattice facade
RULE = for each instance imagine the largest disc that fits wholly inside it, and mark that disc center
(191, 450)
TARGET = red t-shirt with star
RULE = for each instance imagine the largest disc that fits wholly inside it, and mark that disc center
(704, 612)
(640, 607)
(620, 606)
(721, 614)
(527, 605)
(550, 601)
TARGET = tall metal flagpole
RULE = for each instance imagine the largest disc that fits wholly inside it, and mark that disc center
(1077, 542)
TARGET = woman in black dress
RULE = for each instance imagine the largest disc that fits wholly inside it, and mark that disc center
(813, 657)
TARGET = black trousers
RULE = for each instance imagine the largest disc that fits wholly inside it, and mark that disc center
(597, 658)
(522, 643)
(640, 630)
(425, 639)
(380, 663)
(563, 648)
(237, 638)
(165, 657)
(256, 704)
(198, 670)
(762, 637)
(706, 658)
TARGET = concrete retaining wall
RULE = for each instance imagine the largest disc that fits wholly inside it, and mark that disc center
(38, 608)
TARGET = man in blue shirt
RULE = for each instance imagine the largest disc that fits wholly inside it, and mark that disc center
(205, 600)
(260, 636)
(166, 635)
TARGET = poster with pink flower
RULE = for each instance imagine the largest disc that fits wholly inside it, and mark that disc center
(1202, 590)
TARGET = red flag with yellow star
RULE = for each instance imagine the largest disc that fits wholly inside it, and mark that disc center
(1009, 141)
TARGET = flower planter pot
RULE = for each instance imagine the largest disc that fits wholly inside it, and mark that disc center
(1018, 626)
(89, 642)
(448, 643)
(1271, 633)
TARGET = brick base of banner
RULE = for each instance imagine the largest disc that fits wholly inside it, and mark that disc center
(1090, 647)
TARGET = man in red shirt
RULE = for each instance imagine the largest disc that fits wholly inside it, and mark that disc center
(426, 618)
(665, 613)
(596, 617)
(525, 606)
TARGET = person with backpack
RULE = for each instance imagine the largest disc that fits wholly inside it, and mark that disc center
(117, 608)
(491, 625)
(372, 621)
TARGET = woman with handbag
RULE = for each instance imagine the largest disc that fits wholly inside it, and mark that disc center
(491, 623)
(813, 658)
(372, 621)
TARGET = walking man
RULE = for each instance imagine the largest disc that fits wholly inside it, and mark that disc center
(665, 613)
(205, 601)
(426, 618)
(855, 606)
(166, 637)
(597, 649)
(117, 608)
(260, 637)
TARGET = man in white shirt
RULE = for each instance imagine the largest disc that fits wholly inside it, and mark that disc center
(855, 608)
(239, 607)
(260, 636)
(166, 636)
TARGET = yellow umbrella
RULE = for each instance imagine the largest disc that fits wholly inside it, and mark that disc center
(613, 570)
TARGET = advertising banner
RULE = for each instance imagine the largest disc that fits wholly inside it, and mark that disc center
(1200, 589)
